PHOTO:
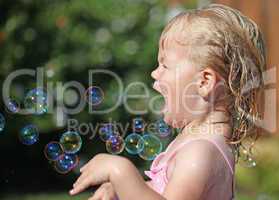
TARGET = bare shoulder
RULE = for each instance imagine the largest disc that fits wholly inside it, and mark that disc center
(199, 153)
(194, 168)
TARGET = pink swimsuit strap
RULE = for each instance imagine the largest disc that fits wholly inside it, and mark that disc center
(155, 166)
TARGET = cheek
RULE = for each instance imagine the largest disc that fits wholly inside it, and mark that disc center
(187, 89)
(168, 85)
(180, 90)
(189, 93)
(188, 83)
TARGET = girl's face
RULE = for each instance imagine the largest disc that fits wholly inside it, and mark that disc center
(176, 79)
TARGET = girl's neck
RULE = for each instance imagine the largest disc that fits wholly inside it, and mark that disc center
(215, 122)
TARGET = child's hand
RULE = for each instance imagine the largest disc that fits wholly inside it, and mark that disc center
(97, 171)
(104, 192)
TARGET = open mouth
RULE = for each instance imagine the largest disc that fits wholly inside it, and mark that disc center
(156, 86)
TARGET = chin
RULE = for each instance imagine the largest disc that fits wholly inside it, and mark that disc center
(174, 123)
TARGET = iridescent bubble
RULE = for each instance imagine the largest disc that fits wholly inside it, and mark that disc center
(53, 151)
(12, 106)
(245, 160)
(66, 163)
(152, 147)
(107, 130)
(94, 95)
(138, 125)
(29, 135)
(71, 142)
(2, 122)
(162, 129)
(249, 163)
(35, 101)
(115, 144)
(134, 143)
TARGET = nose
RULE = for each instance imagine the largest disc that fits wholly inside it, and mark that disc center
(155, 74)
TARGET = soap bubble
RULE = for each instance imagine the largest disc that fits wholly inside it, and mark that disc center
(152, 147)
(35, 101)
(29, 135)
(162, 129)
(115, 144)
(107, 130)
(134, 143)
(71, 142)
(246, 160)
(94, 95)
(65, 163)
(2, 122)
(249, 162)
(138, 124)
(12, 106)
(53, 151)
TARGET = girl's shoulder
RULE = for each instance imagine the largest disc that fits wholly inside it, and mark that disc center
(198, 157)
(203, 149)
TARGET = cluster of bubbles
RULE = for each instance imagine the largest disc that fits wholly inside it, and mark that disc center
(63, 154)
(114, 142)
(144, 144)
(139, 142)
(35, 101)
(246, 159)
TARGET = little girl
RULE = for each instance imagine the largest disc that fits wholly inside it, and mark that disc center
(210, 69)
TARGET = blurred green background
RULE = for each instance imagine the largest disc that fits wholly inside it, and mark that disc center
(68, 38)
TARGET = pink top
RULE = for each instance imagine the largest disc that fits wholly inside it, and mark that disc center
(224, 190)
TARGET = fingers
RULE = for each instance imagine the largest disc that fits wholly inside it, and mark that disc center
(81, 186)
(99, 194)
(107, 197)
(81, 178)
(93, 173)
(105, 192)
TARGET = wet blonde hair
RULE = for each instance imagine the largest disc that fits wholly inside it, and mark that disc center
(232, 45)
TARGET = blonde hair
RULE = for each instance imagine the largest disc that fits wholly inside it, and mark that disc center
(231, 44)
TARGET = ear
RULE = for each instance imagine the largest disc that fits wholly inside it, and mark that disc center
(206, 83)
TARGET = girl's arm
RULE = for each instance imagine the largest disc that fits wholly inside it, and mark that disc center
(148, 183)
(120, 172)
(192, 173)
(129, 184)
